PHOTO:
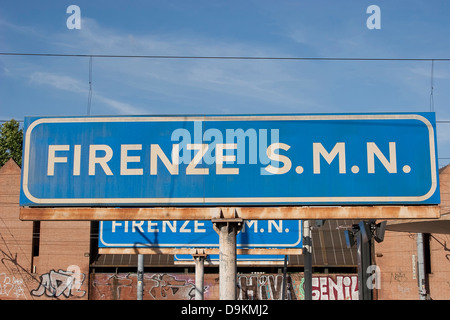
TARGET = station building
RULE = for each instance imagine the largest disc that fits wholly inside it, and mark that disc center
(60, 260)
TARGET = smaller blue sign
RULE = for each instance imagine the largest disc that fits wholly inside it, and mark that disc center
(277, 234)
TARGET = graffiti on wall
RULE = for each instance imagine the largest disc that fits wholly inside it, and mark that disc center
(61, 283)
(13, 282)
(11, 287)
(168, 286)
(337, 287)
(116, 286)
(165, 286)
(158, 286)
(264, 287)
(270, 287)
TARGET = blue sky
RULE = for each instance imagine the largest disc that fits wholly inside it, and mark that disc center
(322, 28)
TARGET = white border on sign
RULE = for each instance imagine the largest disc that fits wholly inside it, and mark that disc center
(248, 200)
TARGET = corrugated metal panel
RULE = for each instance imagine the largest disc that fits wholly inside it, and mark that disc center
(127, 260)
(329, 246)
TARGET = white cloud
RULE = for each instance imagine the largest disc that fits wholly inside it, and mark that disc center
(67, 83)
(60, 82)
(186, 85)
(185, 81)
(121, 107)
(191, 85)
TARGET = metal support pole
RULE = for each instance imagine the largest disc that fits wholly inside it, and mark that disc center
(199, 275)
(140, 277)
(227, 230)
(361, 282)
(366, 252)
(363, 251)
(421, 267)
(307, 258)
(283, 293)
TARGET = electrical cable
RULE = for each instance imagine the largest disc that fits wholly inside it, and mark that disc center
(217, 57)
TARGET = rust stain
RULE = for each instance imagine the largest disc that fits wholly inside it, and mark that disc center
(247, 213)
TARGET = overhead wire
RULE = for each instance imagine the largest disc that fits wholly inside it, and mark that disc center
(218, 57)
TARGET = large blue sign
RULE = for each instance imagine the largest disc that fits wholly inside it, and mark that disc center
(267, 234)
(230, 160)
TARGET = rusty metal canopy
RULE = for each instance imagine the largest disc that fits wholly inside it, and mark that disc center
(246, 213)
(441, 225)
